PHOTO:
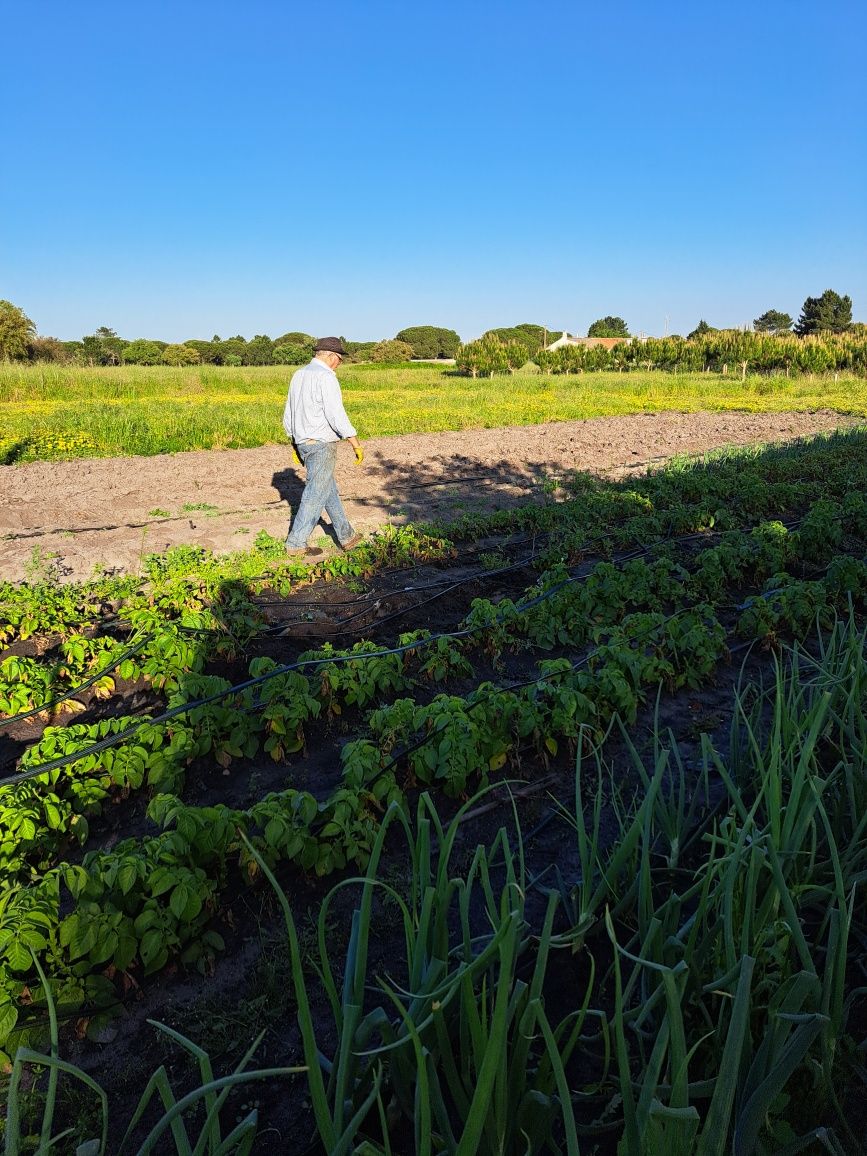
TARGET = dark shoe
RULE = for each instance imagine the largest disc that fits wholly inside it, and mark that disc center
(353, 541)
(304, 552)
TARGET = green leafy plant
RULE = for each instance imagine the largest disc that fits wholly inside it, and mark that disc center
(462, 1029)
(171, 1128)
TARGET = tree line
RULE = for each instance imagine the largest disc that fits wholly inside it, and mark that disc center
(824, 339)
(497, 350)
(721, 351)
(19, 341)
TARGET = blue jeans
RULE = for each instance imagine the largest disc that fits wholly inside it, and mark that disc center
(320, 492)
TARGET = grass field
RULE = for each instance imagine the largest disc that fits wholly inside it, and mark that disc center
(67, 412)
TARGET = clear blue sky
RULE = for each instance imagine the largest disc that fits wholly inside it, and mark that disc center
(182, 169)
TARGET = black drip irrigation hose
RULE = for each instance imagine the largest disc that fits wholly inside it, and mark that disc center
(448, 587)
(371, 598)
(428, 737)
(514, 540)
(287, 668)
(638, 552)
(483, 573)
(187, 707)
(280, 627)
(278, 671)
(82, 686)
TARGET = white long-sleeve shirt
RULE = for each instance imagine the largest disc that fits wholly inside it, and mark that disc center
(314, 408)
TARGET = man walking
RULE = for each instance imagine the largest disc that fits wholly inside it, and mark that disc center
(315, 420)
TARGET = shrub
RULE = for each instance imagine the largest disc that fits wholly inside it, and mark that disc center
(179, 355)
(16, 331)
(48, 349)
(292, 354)
(143, 352)
(359, 350)
(393, 350)
(485, 357)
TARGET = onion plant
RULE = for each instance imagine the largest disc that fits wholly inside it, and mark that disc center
(459, 1051)
(171, 1133)
(742, 975)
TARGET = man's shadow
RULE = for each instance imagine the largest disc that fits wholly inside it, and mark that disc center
(290, 486)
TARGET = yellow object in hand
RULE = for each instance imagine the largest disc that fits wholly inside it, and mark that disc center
(359, 455)
(296, 461)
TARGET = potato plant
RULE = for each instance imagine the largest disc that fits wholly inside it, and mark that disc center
(599, 639)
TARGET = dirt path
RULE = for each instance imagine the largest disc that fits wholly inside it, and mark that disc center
(112, 511)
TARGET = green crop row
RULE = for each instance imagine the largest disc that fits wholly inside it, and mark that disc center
(55, 609)
(39, 815)
(556, 612)
(147, 899)
(196, 587)
(703, 998)
(463, 739)
(28, 683)
(179, 619)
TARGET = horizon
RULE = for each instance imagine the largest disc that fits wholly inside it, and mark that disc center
(553, 334)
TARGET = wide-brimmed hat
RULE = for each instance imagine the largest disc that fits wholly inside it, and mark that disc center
(330, 345)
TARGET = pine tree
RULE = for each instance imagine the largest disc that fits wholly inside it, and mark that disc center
(828, 313)
(773, 321)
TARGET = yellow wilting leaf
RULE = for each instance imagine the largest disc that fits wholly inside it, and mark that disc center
(551, 744)
(497, 761)
(104, 688)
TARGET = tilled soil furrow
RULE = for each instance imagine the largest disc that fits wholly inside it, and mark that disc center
(110, 512)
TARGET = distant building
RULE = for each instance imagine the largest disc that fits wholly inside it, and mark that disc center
(588, 342)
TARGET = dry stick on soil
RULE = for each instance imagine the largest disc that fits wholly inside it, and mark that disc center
(524, 793)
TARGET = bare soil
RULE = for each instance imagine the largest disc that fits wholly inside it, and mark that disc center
(110, 512)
